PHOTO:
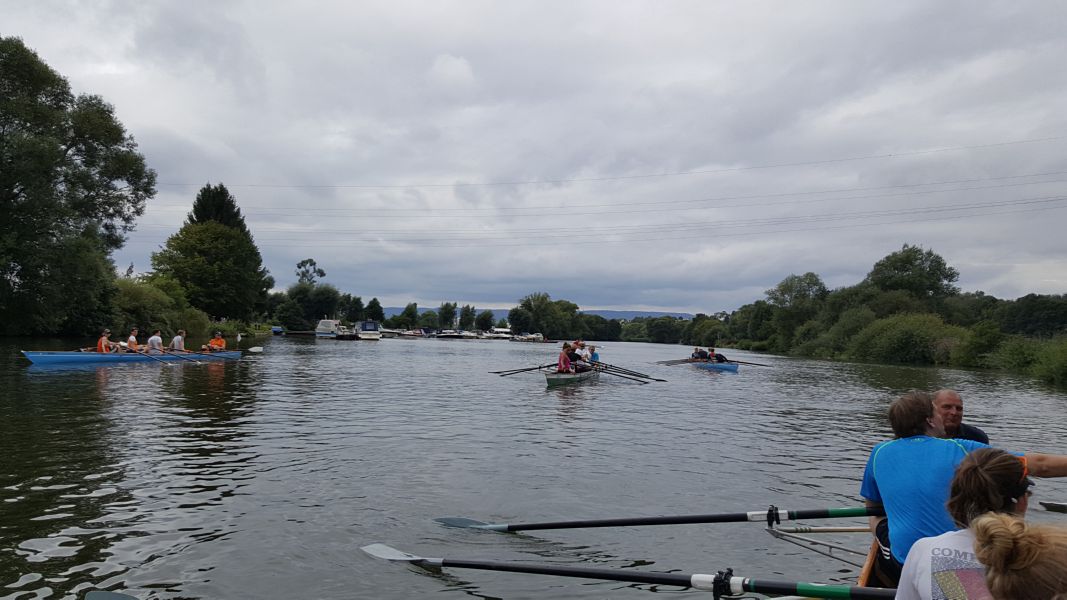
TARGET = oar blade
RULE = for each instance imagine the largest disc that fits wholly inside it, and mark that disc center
(461, 522)
(389, 553)
(255, 349)
(465, 523)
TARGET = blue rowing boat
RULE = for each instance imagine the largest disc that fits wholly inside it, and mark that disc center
(53, 358)
(717, 366)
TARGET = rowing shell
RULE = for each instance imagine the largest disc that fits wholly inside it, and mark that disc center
(52, 358)
(567, 378)
(717, 366)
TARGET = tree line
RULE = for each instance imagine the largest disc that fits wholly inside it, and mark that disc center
(907, 310)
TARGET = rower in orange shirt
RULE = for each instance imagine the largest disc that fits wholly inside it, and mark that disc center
(215, 344)
(104, 344)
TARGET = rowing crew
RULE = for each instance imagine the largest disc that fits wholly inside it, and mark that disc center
(576, 358)
(154, 345)
(953, 508)
(709, 355)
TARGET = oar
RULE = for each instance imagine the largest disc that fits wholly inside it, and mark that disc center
(178, 354)
(514, 371)
(208, 354)
(741, 362)
(674, 362)
(723, 583)
(775, 514)
(623, 370)
(145, 353)
(618, 369)
(637, 379)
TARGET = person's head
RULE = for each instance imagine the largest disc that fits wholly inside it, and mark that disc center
(1021, 560)
(218, 334)
(156, 332)
(988, 480)
(566, 345)
(914, 414)
(950, 405)
(105, 332)
(711, 350)
(181, 332)
(133, 330)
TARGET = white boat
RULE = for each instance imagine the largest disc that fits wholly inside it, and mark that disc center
(555, 378)
(528, 337)
(452, 334)
(368, 330)
(329, 328)
(498, 333)
(389, 333)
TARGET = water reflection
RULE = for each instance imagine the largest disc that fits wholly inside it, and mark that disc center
(261, 477)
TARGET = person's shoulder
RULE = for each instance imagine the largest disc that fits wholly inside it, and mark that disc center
(970, 432)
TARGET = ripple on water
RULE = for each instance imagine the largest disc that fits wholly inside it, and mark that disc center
(262, 478)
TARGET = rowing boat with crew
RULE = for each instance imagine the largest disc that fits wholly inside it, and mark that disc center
(69, 357)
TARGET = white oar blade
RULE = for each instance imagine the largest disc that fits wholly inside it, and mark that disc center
(389, 553)
(461, 522)
(256, 349)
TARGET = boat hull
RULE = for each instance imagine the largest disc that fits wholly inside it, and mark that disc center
(717, 366)
(554, 378)
(54, 358)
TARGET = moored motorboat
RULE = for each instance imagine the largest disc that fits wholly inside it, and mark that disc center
(717, 366)
(368, 330)
(62, 357)
(329, 328)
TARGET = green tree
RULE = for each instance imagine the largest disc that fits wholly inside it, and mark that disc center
(323, 301)
(428, 320)
(291, 315)
(503, 324)
(446, 315)
(922, 273)
(215, 203)
(521, 320)
(353, 310)
(307, 271)
(374, 310)
(484, 321)
(219, 267)
(467, 315)
(797, 299)
(409, 317)
(71, 185)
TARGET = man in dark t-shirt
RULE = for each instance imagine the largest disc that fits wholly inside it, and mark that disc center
(950, 405)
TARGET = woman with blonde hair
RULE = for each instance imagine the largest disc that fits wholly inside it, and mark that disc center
(1021, 560)
(946, 566)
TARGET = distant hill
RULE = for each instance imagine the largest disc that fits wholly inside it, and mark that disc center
(502, 313)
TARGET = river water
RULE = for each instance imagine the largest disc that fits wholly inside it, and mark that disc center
(261, 478)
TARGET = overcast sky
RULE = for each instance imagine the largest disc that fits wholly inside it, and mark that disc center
(659, 155)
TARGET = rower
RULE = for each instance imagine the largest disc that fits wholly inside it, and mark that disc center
(104, 344)
(699, 354)
(713, 355)
(131, 342)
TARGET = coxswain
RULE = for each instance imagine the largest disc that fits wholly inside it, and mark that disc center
(215, 344)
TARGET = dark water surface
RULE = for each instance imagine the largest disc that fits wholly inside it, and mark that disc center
(262, 478)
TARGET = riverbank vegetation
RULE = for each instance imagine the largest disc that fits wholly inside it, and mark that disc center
(907, 310)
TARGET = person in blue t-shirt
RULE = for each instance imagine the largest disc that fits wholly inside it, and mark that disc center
(910, 477)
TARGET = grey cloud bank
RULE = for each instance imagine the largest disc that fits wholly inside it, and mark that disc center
(677, 156)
